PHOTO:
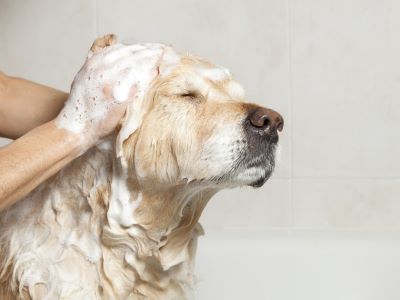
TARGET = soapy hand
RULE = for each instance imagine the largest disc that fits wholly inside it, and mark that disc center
(100, 92)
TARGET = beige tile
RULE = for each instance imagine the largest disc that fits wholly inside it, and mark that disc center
(267, 207)
(346, 87)
(258, 265)
(346, 203)
(249, 38)
(45, 41)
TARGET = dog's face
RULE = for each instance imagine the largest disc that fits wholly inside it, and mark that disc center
(197, 128)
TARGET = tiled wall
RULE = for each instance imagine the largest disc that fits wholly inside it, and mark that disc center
(331, 68)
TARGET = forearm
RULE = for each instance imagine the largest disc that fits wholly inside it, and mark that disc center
(25, 105)
(33, 158)
(41, 152)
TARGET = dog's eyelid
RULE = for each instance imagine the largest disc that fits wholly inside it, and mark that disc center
(189, 94)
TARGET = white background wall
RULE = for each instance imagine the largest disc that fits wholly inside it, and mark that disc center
(332, 68)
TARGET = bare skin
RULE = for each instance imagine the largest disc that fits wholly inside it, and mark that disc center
(33, 158)
(25, 105)
(29, 113)
(40, 149)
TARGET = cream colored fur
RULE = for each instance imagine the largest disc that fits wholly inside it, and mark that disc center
(121, 221)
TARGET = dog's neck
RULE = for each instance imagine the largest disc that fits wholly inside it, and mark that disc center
(146, 236)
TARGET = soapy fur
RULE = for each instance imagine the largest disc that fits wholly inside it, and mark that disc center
(121, 221)
(109, 78)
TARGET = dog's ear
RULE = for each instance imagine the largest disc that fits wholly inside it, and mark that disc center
(102, 42)
(134, 116)
(153, 61)
(130, 123)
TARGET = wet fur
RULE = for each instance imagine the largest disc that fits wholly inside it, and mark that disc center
(121, 222)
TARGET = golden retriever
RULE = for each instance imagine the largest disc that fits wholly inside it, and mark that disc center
(121, 221)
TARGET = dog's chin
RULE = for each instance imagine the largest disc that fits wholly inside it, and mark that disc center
(254, 175)
(266, 168)
(252, 170)
(259, 182)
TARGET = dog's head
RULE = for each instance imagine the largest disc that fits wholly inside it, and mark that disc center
(192, 125)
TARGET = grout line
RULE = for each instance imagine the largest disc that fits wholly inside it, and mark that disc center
(290, 95)
(324, 177)
(262, 233)
(343, 178)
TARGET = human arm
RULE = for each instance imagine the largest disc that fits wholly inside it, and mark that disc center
(90, 113)
(25, 105)
(33, 158)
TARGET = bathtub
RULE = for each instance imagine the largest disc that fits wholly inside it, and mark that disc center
(298, 265)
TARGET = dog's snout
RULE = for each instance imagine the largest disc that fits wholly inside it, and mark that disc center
(266, 119)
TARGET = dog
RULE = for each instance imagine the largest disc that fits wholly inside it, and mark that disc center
(121, 221)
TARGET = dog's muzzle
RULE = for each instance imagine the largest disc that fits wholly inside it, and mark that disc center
(261, 128)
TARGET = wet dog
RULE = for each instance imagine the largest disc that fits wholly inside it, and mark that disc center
(121, 221)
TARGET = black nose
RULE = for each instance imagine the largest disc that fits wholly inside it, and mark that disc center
(266, 119)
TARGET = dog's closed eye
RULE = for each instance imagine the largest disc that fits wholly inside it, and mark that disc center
(189, 94)
(192, 96)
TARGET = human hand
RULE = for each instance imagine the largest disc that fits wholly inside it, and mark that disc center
(102, 89)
